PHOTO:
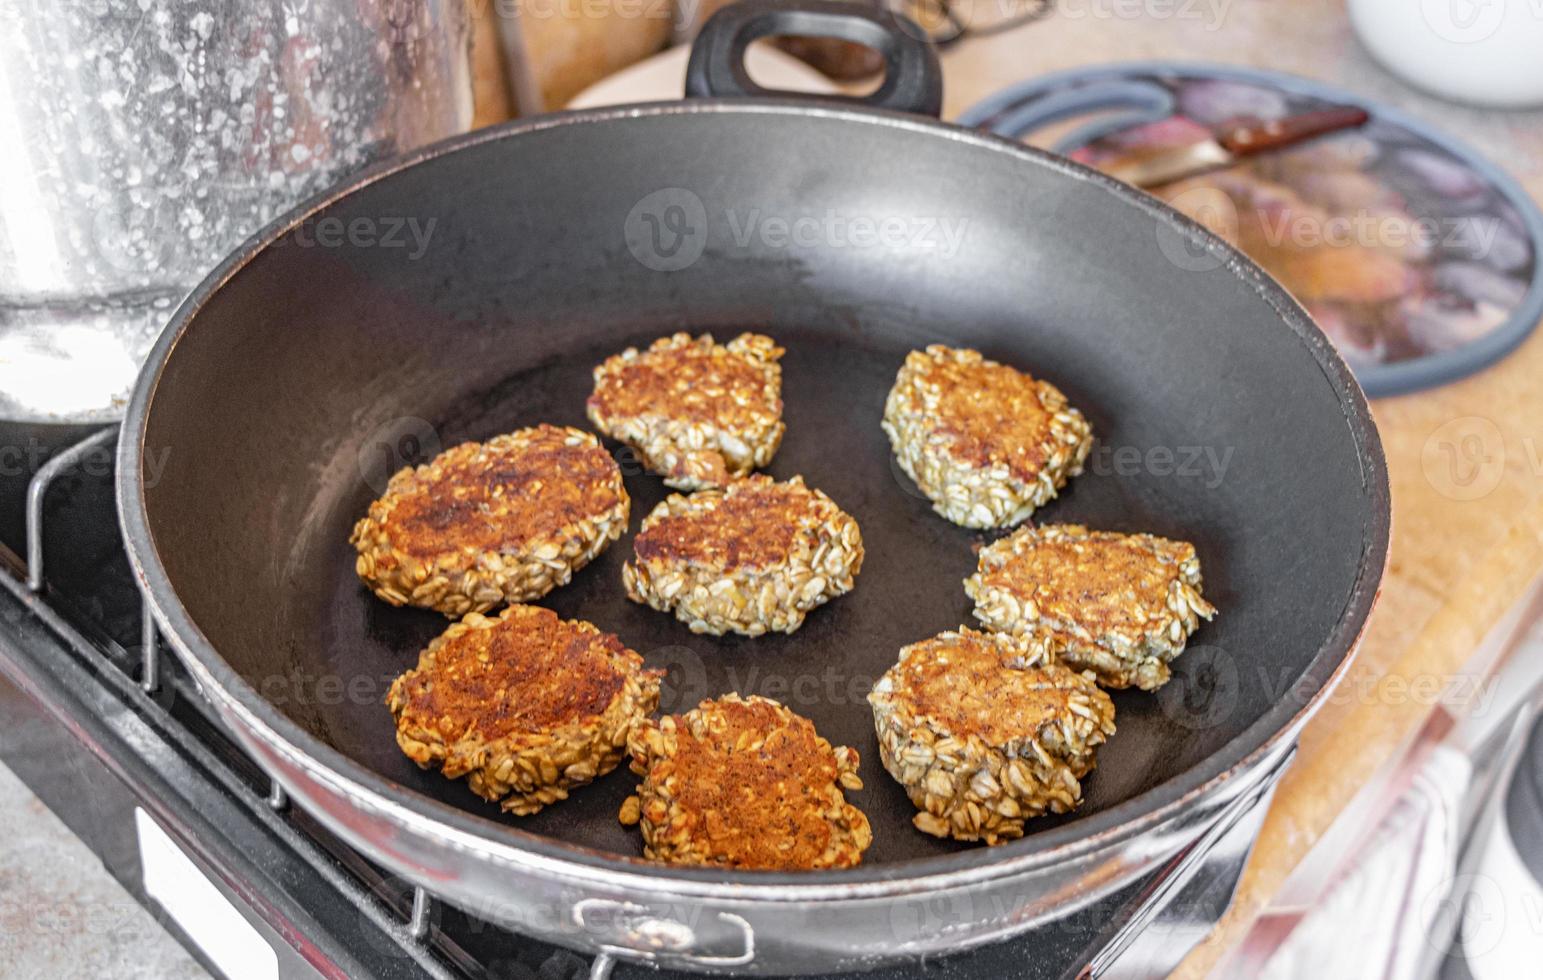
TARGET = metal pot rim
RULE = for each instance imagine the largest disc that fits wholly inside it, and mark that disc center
(572, 864)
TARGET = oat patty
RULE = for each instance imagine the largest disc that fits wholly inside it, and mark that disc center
(985, 730)
(506, 520)
(1122, 605)
(986, 443)
(699, 413)
(525, 705)
(754, 557)
(744, 783)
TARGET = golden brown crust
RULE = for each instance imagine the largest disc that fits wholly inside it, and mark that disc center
(987, 730)
(971, 684)
(990, 415)
(745, 783)
(985, 442)
(755, 557)
(526, 705)
(482, 524)
(752, 526)
(501, 496)
(530, 672)
(698, 412)
(1122, 605)
(697, 381)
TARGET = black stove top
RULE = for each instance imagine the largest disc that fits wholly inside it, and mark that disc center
(85, 735)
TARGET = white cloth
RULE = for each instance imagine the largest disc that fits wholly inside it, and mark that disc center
(1375, 918)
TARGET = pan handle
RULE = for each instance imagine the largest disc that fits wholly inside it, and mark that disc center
(912, 80)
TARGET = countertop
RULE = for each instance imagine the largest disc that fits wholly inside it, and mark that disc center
(62, 914)
(1466, 544)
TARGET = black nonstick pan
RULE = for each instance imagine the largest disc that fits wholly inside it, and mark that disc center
(340, 344)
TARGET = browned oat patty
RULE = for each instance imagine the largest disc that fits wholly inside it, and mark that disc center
(1120, 605)
(482, 524)
(755, 557)
(985, 442)
(525, 705)
(987, 730)
(699, 413)
(744, 783)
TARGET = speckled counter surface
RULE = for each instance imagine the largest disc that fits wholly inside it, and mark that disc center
(61, 914)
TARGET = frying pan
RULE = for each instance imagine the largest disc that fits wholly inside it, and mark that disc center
(319, 357)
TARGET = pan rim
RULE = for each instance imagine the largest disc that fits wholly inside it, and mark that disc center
(520, 849)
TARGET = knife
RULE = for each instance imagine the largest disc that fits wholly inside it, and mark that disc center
(1230, 143)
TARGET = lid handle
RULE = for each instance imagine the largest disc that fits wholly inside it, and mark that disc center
(913, 82)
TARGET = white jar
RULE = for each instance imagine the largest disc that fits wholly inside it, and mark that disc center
(1487, 52)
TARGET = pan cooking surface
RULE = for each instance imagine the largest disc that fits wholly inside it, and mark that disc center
(1215, 421)
(909, 588)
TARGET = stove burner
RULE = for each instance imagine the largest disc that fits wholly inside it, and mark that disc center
(107, 727)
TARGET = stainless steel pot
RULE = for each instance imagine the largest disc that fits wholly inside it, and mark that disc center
(141, 142)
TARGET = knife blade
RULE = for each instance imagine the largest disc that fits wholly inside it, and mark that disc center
(1230, 143)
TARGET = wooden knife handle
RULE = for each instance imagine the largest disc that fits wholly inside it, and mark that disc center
(1248, 136)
